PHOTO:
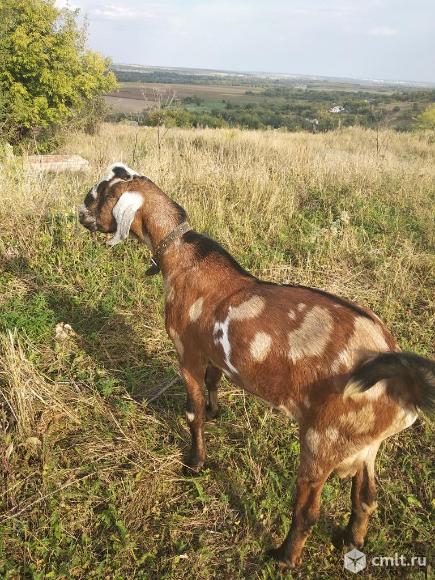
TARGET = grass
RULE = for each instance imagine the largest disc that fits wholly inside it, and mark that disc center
(91, 485)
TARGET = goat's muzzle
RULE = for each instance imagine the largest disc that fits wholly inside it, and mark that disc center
(86, 219)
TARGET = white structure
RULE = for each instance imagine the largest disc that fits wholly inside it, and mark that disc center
(57, 163)
(336, 109)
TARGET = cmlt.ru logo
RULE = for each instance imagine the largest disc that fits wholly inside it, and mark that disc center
(355, 561)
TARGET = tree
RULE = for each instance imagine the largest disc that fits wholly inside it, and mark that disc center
(47, 76)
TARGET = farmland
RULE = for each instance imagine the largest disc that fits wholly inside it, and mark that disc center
(92, 483)
(189, 98)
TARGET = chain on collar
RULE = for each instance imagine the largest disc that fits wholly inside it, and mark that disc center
(164, 244)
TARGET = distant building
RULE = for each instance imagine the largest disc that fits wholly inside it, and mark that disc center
(336, 109)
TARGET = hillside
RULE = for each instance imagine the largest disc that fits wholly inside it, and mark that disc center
(91, 485)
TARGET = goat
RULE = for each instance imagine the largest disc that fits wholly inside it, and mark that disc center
(326, 362)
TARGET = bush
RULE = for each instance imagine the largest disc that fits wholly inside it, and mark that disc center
(47, 76)
(426, 119)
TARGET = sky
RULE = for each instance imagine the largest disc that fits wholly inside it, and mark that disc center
(376, 39)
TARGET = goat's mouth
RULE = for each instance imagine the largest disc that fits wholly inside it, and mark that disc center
(90, 225)
(87, 220)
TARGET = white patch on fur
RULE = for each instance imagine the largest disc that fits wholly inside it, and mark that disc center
(116, 180)
(312, 440)
(301, 307)
(342, 360)
(177, 342)
(307, 402)
(312, 336)
(369, 508)
(196, 309)
(292, 314)
(244, 311)
(355, 461)
(251, 308)
(110, 173)
(291, 410)
(359, 422)
(404, 418)
(124, 213)
(367, 336)
(190, 417)
(410, 418)
(284, 410)
(224, 341)
(260, 346)
(331, 433)
(350, 465)
(375, 392)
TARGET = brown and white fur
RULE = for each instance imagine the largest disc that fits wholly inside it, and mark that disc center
(315, 356)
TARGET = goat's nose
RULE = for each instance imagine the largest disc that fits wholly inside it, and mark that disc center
(81, 213)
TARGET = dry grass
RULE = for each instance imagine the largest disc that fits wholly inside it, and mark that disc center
(91, 483)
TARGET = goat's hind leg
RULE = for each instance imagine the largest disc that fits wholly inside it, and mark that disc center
(212, 378)
(306, 512)
(363, 503)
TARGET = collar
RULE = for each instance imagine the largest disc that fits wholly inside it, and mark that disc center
(164, 244)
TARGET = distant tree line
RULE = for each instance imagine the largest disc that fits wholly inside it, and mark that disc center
(173, 77)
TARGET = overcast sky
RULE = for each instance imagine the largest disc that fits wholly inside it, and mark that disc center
(378, 39)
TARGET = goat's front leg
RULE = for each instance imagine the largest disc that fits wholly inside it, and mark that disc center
(212, 378)
(195, 414)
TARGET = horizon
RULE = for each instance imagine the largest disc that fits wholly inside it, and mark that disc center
(406, 82)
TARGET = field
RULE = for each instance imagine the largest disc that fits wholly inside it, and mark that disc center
(133, 97)
(189, 98)
(92, 483)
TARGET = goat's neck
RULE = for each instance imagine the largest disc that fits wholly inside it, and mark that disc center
(159, 219)
(159, 216)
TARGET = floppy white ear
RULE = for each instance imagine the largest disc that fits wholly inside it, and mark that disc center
(124, 212)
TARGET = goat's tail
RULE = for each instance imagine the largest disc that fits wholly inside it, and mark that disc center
(415, 373)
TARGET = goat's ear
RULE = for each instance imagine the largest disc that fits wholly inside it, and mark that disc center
(124, 213)
(123, 173)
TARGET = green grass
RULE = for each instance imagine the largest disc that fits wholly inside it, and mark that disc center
(91, 484)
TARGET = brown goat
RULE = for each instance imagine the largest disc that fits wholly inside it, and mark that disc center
(328, 363)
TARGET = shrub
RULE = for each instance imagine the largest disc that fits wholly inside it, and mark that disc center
(47, 76)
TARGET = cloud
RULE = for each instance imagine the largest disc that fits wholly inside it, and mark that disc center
(382, 31)
(121, 12)
(66, 4)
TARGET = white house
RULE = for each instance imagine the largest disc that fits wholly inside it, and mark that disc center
(336, 109)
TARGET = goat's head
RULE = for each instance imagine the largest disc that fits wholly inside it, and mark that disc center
(111, 205)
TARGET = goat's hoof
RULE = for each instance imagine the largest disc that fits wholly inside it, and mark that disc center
(343, 538)
(192, 467)
(211, 413)
(278, 555)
